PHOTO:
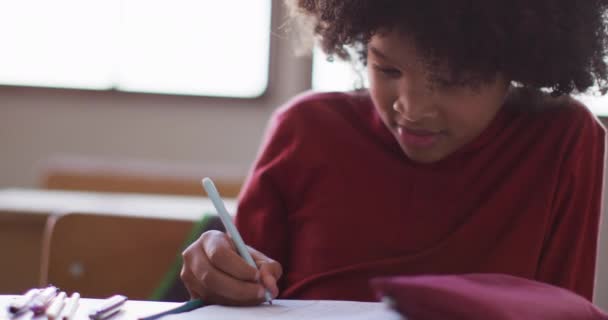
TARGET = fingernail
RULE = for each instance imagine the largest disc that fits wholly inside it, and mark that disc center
(257, 276)
(274, 291)
(261, 293)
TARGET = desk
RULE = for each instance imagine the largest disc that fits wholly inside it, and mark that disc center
(24, 213)
(125, 204)
(281, 309)
(132, 309)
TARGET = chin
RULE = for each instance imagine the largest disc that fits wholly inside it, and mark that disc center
(422, 156)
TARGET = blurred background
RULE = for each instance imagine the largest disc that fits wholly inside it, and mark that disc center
(135, 97)
(165, 86)
(111, 111)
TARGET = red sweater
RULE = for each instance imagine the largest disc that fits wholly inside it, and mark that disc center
(335, 200)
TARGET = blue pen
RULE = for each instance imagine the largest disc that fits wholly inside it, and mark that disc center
(230, 227)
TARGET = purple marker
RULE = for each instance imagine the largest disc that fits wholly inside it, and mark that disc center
(42, 300)
(21, 303)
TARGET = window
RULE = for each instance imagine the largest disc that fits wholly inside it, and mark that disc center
(597, 104)
(336, 75)
(194, 47)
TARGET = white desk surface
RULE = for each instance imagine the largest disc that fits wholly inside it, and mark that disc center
(39, 201)
(282, 309)
(131, 310)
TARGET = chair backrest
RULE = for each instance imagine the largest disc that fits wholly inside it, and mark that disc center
(93, 174)
(20, 244)
(101, 255)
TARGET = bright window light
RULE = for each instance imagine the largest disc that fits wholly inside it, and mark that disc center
(597, 104)
(336, 75)
(193, 47)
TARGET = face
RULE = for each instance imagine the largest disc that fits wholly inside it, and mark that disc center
(429, 122)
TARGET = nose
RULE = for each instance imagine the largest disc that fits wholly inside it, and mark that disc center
(414, 108)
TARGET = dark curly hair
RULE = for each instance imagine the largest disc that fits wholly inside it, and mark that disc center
(553, 44)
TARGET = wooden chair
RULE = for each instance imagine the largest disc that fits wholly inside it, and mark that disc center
(20, 244)
(101, 255)
(92, 174)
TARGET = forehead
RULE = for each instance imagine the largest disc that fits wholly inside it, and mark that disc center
(395, 46)
(400, 50)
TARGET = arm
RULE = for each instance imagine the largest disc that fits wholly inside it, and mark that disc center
(213, 270)
(262, 211)
(569, 256)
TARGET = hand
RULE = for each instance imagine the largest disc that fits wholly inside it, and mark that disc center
(214, 272)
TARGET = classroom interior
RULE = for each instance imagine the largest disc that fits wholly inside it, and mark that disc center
(100, 188)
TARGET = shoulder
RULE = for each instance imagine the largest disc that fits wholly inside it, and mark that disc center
(315, 123)
(311, 115)
(313, 106)
(559, 117)
(576, 121)
(571, 111)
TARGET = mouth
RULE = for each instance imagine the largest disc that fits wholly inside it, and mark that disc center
(418, 138)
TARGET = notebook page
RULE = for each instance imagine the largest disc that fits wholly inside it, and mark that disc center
(294, 310)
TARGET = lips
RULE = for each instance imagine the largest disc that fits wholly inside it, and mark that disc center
(417, 138)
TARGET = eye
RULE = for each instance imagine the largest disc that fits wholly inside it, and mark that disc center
(388, 71)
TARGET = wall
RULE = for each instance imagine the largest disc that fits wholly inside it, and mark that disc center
(36, 124)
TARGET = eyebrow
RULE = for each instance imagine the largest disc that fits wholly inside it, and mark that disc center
(383, 56)
(378, 53)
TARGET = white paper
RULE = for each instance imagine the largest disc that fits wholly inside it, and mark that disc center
(294, 310)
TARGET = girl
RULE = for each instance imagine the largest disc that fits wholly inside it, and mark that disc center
(465, 154)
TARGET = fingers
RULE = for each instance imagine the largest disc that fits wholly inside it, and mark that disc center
(194, 288)
(269, 282)
(214, 272)
(212, 288)
(222, 255)
(223, 285)
(270, 271)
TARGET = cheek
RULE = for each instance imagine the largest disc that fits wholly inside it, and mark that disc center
(475, 110)
(382, 96)
(467, 120)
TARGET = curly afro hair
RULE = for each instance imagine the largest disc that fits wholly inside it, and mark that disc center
(552, 44)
